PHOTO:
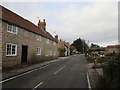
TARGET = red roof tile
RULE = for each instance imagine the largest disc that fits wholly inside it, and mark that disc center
(67, 44)
(113, 46)
(13, 18)
(99, 48)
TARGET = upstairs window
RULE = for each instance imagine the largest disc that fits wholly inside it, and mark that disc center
(11, 49)
(38, 37)
(38, 51)
(47, 40)
(54, 43)
(12, 28)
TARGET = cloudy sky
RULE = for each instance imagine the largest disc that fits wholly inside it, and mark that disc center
(93, 21)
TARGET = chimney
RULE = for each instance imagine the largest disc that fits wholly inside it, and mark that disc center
(42, 25)
(56, 37)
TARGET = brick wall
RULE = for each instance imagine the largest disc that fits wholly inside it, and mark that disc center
(27, 38)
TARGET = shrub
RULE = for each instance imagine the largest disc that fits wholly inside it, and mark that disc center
(112, 72)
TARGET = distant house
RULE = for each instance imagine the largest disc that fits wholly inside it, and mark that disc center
(67, 48)
(97, 50)
(63, 48)
(113, 49)
(22, 42)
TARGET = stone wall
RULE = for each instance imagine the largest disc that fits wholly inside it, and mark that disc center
(24, 37)
(0, 44)
(113, 49)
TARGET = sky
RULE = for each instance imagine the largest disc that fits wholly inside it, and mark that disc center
(96, 22)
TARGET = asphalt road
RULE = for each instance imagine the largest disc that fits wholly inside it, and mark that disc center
(68, 73)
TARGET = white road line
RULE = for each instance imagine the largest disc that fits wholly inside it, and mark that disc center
(37, 85)
(24, 73)
(59, 69)
(88, 80)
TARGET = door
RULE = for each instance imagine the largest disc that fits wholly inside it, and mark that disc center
(24, 54)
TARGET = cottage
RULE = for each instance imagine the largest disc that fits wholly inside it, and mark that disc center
(67, 48)
(113, 49)
(97, 50)
(22, 42)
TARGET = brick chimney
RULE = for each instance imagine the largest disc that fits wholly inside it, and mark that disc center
(56, 37)
(42, 25)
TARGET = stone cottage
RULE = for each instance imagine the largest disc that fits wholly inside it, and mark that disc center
(22, 42)
(67, 48)
(113, 49)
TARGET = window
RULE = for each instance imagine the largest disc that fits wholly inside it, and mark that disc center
(54, 43)
(38, 51)
(47, 53)
(38, 37)
(51, 53)
(11, 49)
(47, 41)
(54, 53)
(12, 28)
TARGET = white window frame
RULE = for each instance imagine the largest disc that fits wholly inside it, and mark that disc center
(54, 53)
(12, 28)
(50, 52)
(54, 43)
(47, 52)
(38, 37)
(47, 40)
(11, 49)
(38, 53)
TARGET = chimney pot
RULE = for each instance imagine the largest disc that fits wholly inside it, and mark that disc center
(43, 20)
(42, 25)
(56, 37)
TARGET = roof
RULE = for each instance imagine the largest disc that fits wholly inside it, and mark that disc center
(13, 18)
(113, 46)
(97, 49)
(67, 44)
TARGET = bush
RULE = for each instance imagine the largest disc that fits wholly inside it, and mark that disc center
(112, 72)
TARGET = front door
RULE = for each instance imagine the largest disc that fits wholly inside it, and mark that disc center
(24, 54)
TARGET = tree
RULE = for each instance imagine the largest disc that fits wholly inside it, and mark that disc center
(80, 45)
(94, 45)
(61, 51)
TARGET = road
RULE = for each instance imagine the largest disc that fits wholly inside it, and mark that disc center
(68, 73)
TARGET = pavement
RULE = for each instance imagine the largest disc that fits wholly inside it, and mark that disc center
(65, 72)
(94, 74)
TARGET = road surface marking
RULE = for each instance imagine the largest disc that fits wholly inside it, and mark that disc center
(26, 73)
(59, 69)
(16, 76)
(88, 80)
(37, 85)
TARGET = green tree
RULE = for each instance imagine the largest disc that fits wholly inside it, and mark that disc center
(61, 51)
(94, 45)
(80, 45)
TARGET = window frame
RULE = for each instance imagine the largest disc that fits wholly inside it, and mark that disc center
(54, 43)
(51, 52)
(47, 53)
(39, 39)
(11, 49)
(47, 40)
(54, 53)
(39, 51)
(13, 28)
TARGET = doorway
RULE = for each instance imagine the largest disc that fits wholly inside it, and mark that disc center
(24, 54)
